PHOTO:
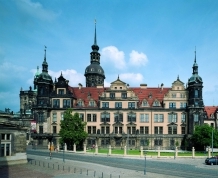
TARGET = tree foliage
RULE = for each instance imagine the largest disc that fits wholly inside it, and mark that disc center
(72, 129)
(202, 137)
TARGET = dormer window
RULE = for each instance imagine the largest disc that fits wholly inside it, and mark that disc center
(91, 103)
(61, 91)
(121, 88)
(144, 104)
(80, 103)
(156, 103)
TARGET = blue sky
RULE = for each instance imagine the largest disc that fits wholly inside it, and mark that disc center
(142, 41)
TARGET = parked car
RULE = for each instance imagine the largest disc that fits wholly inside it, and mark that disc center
(212, 160)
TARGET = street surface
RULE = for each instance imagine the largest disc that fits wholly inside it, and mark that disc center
(116, 166)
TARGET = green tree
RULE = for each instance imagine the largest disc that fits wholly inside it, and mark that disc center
(72, 129)
(203, 137)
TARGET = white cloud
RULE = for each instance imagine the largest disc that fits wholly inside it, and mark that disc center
(107, 84)
(69, 74)
(112, 54)
(35, 9)
(137, 58)
(131, 78)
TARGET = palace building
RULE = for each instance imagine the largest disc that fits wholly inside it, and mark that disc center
(120, 115)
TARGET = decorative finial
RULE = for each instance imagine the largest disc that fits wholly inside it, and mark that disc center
(178, 77)
(61, 73)
(118, 77)
(45, 53)
(195, 54)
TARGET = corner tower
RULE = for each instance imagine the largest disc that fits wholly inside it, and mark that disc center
(94, 73)
(195, 99)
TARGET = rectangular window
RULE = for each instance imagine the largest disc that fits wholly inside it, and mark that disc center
(146, 130)
(172, 105)
(133, 130)
(124, 95)
(105, 117)
(174, 95)
(89, 117)
(196, 93)
(131, 117)
(172, 129)
(183, 117)
(61, 91)
(131, 105)
(54, 117)
(107, 130)
(94, 117)
(172, 117)
(144, 103)
(56, 103)
(158, 130)
(158, 142)
(118, 104)
(66, 103)
(112, 95)
(94, 129)
(118, 117)
(183, 130)
(41, 129)
(102, 130)
(54, 129)
(89, 129)
(105, 104)
(144, 118)
(158, 118)
(182, 105)
(142, 130)
(196, 118)
(91, 103)
(62, 116)
(81, 116)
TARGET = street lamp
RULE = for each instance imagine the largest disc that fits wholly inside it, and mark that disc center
(63, 152)
(50, 137)
(145, 164)
(212, 142)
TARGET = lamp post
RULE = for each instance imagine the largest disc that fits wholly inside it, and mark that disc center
(145, 164)
(212, 142)
(50, 137)
(63, 152)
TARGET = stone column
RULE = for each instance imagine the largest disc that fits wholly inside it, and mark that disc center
(209, 153)
(176, 152)
(65, 147)
(109, 151)
(158, 152)
(125, 150)
(48, 145)
(193, 152)
(141, 149)
(96, 149)
(74, 147)
(84, 148)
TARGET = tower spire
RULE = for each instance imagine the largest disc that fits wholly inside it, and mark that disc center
(95, 39)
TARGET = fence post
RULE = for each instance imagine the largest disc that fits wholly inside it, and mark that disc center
(158, 152)
(193, 152)
(125, 150)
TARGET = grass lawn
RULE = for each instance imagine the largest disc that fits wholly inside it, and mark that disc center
(137, 152)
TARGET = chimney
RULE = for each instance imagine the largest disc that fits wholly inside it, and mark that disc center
(162, 86)
(143, 86)
(80, 85)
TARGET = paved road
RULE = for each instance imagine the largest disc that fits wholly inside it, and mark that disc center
(130, 167)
